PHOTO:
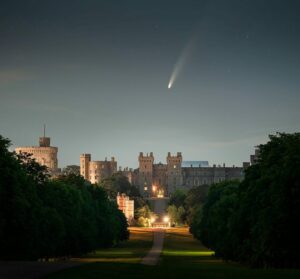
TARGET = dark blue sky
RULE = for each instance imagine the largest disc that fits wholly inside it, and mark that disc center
(96, 72)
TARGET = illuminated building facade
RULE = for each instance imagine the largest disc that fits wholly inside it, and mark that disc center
(95, 171)
(159, 180)
(126, 206)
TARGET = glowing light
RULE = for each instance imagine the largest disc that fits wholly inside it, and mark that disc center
(153, 188)
(181, 61)
(152, 220)
(166, 219)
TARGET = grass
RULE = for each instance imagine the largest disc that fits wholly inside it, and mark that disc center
(131, 251)
(182, 257)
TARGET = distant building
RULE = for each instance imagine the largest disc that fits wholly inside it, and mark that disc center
(195, 164)
(126, 206)
(71, 169)
(159, 180)
(129, 173)
(255, 156)
(95, 171)
(44, 154)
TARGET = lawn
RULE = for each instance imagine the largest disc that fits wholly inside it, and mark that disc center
(131, 251)
(182, 257)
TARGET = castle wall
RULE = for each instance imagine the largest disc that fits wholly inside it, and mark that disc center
(46, 156)
(96, 171)
(172, 176)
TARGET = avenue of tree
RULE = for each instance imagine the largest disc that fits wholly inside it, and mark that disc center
(256, 222)
(42, 218)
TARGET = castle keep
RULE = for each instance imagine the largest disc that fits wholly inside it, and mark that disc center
(44, 154)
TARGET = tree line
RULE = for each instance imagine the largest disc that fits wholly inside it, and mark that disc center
(256, 221)
(42, 218)
(183, 205)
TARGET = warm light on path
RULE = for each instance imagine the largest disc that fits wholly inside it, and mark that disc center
(153, 256)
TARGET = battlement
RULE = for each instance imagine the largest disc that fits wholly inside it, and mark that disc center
(146, 156)
(95, 171)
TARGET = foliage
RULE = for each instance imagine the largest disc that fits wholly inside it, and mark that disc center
(256, 222)
(42, 218)
(176, 215)
(194, 201)
(118, 183)
(144, 215)
(178, 198)
(183, 205)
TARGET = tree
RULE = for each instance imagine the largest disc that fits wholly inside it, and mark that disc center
(210, 223)
(42, 218)
(118, 183)
(194, 201)
(255, 221)
(145, 215)
(19, 207)
(177, 198)
(270, 205)
(37, 172)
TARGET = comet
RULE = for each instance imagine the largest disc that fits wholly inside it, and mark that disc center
(181, 61)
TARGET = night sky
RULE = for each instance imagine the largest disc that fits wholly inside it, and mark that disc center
(97, 73)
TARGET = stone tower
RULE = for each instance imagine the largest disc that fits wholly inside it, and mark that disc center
(44, 154)
(174, 172)
(44, 141)
(146, 173)
(84, 165)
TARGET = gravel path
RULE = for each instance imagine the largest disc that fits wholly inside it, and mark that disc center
(153, 256)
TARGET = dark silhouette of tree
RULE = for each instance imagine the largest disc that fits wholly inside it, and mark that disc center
(43, 218)
(256, 222)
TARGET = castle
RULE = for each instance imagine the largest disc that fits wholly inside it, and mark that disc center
(95, 171)
(44, 154)
(156, 180)
(160, 180)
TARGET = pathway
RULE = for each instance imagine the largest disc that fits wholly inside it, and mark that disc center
(153, 255)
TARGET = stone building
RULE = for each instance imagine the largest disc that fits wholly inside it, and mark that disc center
(126, 206)
(71, 169)
(156, 180)
(44, 154)
(95, 171)
(254, 158)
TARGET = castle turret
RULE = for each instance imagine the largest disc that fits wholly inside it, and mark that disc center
(146, 173)
(44, 142)
(174, 173)
(84, 165)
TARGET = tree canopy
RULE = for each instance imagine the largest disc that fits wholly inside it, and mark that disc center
(256, 221)
(42, 218)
